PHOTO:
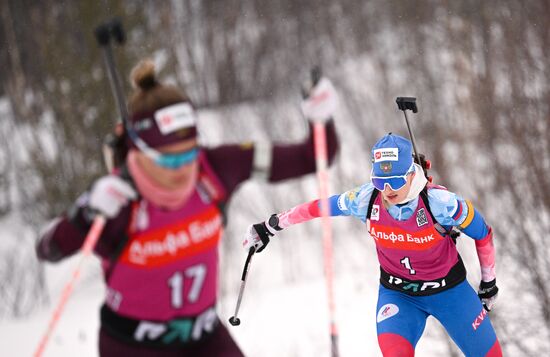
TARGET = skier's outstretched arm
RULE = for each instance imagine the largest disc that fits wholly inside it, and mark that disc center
(275, 162)
(257, 235)
(350, 203)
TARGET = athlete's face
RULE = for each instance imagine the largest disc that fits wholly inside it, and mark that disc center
(394, 197)
(171, 178)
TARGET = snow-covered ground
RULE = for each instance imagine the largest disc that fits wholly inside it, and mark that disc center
(284, 320)
(279, 317)
(284, 311)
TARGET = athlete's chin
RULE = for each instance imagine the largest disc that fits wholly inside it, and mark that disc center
(393, 199)
(180, 181)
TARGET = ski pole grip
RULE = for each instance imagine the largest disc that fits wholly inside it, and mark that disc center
(102, 34)
(315, 76)
(404, 103)
(117, 31)
(106, 30)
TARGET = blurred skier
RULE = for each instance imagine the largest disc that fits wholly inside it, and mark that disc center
(421, 273)
(159, 248)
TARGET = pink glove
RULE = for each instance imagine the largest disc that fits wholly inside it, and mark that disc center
(322, 102)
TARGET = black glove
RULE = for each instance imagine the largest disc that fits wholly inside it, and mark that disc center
(257, 235)
(488, 292)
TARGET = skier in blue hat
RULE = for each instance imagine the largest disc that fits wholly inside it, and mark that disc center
(413, 224)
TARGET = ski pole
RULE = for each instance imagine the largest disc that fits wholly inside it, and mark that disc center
(234, 320)
(87, 249)
(322, 176)
(409, 103)
(321, 163)
(104, 33)
(404, 103)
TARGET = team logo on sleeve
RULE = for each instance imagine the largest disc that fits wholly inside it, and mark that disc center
(351, 195)
(375, 213)
(421, 218)
(347, 198)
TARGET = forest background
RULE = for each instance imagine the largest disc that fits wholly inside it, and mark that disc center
(480, 71)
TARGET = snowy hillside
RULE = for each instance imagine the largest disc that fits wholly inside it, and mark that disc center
(284, 311)
(479, 70)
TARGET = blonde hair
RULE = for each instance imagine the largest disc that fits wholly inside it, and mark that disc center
(149, 94)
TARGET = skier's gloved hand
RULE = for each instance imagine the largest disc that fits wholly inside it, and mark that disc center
(257, 235)
(322, 101)
(488, 293)
(109, 194)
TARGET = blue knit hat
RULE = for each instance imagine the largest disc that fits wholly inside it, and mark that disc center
(391, 156)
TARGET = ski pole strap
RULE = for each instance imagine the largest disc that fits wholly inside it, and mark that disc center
(251, 252)
(264, 235)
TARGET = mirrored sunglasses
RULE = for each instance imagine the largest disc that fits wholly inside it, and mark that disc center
(175, 161)
(395, 182)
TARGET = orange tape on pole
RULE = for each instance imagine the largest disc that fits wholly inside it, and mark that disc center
(321, 160)
(87, 249)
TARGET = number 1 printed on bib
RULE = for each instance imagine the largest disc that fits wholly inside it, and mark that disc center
(407, 263)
